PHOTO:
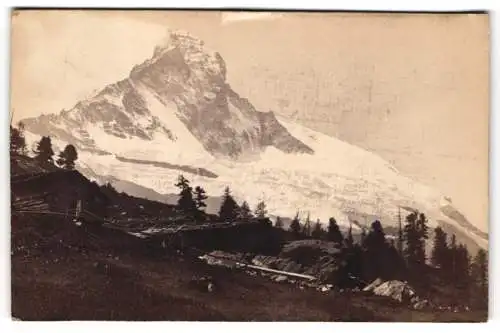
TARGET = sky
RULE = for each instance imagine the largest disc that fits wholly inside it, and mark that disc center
(412, 88)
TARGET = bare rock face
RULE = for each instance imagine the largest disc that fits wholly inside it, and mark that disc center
(194, 78)
(395, 289)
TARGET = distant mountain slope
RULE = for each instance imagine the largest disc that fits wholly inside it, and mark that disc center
(176, 113)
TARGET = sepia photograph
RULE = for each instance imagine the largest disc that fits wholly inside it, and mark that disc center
(271, 166)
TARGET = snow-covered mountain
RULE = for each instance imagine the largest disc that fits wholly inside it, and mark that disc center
(176, 113)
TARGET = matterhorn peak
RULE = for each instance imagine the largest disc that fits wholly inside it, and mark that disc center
(180, 36)
(193, 51)
(181, 39)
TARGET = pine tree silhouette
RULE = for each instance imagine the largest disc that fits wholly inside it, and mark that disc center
(43, 151)
(440, 248)
(423, 235)
(333, 233)
(17, 140)
(414, 249)
(245, 213)
(279, 223)
(363, 235)
(199, 197)
(462, 276)
(295, 227)
(479, 278)
(260, 210)
(317, 232)
(377, 261)
(228, 211)
(306, 229)
(67, 157)
(349, 241)
(452, 256)
(375, 240)
(186, 202)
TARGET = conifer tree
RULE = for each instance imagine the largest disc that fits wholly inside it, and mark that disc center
(260, 210)
(363, 235)
(17, 140)
(186, 202)
(244, 212)
(479, 277)
(317, 232)
(199, 198)
(453, 243)
(423, 235)
(295, 227)
(375, 247)
(412, 251)
(349, 241)
(439, 249)
(279, 223)
(228, 211)
(452, 257)
(67, 157)
(333, 233)
(422, 226)
(375, 240)
(400, 233)
(306, 229)
(108, 187)
(43, 151)
(354, 268)
(462, 275)
(182, 182)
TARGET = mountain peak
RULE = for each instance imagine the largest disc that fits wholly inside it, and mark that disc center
(193, 52)
(182, 87)
(179, 39)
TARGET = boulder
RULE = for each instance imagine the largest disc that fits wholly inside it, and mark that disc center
(395, 289)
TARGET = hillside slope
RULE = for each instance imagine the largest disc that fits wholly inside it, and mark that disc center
(71, 276)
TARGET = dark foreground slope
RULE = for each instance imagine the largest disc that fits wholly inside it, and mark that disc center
(63, 272)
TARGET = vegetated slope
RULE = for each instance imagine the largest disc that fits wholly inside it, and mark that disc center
(60, 273)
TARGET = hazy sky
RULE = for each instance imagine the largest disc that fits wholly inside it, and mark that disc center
(413, 88)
